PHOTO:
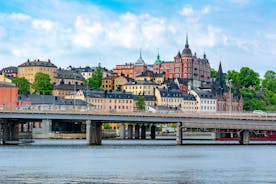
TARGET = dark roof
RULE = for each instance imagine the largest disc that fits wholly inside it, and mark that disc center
(7, 84)
(38, 63)
(8, 70)
(183, 81)
(68, 74)
(141, 82)
(146, 97)
(175, 94)
(205, 94)
(69, 87)
(108, 94)
(50, 99)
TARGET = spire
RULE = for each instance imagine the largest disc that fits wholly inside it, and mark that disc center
(141, 53)
(187, 42)
(158, 61)
(204, 55)
(140, 61)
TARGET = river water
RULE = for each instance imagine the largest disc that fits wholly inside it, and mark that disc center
(127, 161)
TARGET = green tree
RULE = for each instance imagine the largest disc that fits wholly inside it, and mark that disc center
(249, 78)
(42, 84)
(269, 82)
(23, 85)
(214, 73)
(95, 81)
(106, 126)
(141, 105)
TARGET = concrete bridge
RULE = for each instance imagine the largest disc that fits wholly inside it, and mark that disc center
(244, 122)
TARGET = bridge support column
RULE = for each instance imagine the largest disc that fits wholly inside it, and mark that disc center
(137, 131)
(130, 131)
(152, 131)
(143, 132)
(93, 133)
(244, 137)
(123, 131)
(179, 133)
(9, 133)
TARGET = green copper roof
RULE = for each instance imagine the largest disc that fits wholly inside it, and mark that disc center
(158, 61)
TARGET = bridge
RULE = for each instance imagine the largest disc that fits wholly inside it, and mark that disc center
(244, 122)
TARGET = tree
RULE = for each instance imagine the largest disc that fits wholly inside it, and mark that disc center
(23, 85)
(141, 105)
(269, 82)
(95, 81)
(249, 78)
(42, 84)
(214, 73)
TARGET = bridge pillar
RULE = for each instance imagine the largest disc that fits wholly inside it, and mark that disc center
(244, 137)
(9, 132)
(123, 131)
(130, 131)
(143, 132)
(137, 131)
(152, 131)
(93, 133)
(179, 133)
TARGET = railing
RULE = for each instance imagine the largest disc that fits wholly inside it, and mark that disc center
(215, 115)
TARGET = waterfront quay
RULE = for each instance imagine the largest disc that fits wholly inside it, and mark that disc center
(244, 123)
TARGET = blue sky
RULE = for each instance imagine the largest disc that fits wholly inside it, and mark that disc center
(84, 33)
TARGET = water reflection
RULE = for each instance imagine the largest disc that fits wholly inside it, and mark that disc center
(72, 161)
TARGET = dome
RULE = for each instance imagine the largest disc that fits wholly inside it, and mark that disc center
(140, 60)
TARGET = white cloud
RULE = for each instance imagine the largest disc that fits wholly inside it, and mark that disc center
(19, 16)
(87, 32)
(43, 24)
(186, 10)
(206, 10)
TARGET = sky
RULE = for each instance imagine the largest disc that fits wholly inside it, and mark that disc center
(87, 32)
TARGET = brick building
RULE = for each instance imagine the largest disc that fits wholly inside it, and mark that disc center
(8, 96)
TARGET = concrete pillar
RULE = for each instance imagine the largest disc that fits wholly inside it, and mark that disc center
(143, 132)
(179, 133)
(123, 131)
(9, 133)
(137, 131)
(93, 133)
(244, 137)
(152, 131)
(1, 134)
(130, 131)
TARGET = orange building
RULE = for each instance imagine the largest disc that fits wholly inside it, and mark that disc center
(8, 96)
(126, 70)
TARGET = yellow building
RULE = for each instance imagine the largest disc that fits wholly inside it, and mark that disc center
(106, 101)
(120, 81)
(30, 68)
(140, 87)
(108, 83)
(157, 78)
(3, 78)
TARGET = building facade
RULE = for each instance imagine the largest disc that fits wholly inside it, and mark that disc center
(30, 68)
(185, 66)
(8, 96)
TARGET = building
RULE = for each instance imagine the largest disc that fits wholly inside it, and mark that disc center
(121, 81)
(107, 101)
(68, 77)
(174, 99)
(226, 100)
(49, 102)
(205, 100)
(185, 66)
(63, 90)
(30, 68)
(132, 70)
(8, 96)
(87, 71)
(4, 78)
(10, 72)
(143, 87)
(157, 78)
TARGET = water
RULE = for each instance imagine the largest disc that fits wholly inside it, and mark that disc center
(124, 161)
